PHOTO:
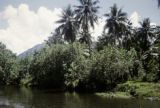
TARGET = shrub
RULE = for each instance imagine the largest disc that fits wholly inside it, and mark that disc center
(55, 64)
(8, 66)
(111, 66)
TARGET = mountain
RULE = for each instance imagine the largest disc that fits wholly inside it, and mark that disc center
(38, 47)
(31, 50)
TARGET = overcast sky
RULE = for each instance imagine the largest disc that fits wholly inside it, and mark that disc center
(25, 23)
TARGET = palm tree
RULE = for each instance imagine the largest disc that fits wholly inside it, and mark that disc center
(144, 36)
(157, 47)
(144, 39)
(158, 3)
(128, 36)
(68, 25)
(86, 15)
(85, 37)
(55, 38)
(155, 52)
(116, 23)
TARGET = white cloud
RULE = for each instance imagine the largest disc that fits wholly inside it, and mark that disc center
(27, 28)
(135, 17)
(98, 28)
(153, 24)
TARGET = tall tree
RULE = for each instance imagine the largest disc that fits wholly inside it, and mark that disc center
(158, 3)
(157, 50)
(128, 36)
(68, 25)
(144, 36)
(144, 40)
(55, 38)
(8, 66)
(116, 23)
(86, 15)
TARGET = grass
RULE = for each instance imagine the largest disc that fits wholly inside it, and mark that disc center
(144, 90)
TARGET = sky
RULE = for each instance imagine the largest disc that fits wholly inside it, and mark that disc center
(26, 23)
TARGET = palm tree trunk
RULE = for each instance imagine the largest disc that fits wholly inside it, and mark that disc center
(86, 30)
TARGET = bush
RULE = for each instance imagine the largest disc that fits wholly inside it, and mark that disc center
(55, 64)
(8, 66)
(151, 66)
(77, 76)
(111, 66)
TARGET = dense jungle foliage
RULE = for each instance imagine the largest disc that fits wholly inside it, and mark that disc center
(71, 61)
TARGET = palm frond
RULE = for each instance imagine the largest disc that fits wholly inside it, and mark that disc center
(95, 2)
(61, 21)
(85, 13)
(82, 2)
(68, 24)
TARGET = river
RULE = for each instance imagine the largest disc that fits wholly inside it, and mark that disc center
(12, 97)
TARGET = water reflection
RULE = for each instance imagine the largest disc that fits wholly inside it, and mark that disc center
(12, 97)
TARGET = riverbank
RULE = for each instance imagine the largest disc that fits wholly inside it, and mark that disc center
(14, 97)
(122, 95)
(130, 89)
(134, 89)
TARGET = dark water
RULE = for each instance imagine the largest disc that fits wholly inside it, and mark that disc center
(25, 98)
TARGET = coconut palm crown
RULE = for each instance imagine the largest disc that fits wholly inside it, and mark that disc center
(145, 35)
(116, 23)
(68, 25)
(86, 15)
